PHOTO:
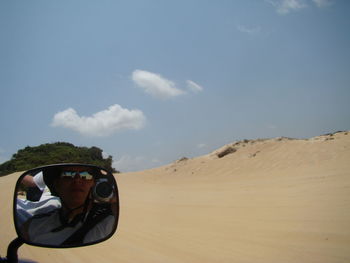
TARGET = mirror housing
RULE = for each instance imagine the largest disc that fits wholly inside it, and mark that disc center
(66, 205)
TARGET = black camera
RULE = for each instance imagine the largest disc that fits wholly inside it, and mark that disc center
(102, 191)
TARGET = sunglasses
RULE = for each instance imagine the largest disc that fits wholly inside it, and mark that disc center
(85, 175)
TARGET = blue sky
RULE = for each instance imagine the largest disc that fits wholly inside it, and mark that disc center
(152, 81)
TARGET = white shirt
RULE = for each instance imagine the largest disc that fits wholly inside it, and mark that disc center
(26, 209)
(40, 230)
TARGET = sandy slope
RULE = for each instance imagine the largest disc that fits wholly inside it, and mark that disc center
(275, 200)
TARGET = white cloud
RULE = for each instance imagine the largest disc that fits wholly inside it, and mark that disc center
(156, 85)
(249, 30)
(155, 160)
(194, 87)
(128, 164)
(286, 6)
(322, 3)
(102, 123)
(201, 145)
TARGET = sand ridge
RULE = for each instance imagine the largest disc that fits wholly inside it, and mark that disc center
(268, 200)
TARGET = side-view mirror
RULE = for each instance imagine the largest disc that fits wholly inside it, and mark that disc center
(66, 205)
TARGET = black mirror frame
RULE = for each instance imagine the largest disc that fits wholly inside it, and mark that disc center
(19, 234)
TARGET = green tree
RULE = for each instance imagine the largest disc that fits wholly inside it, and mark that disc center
(52, 153)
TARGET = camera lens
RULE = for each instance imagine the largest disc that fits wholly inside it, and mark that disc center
(103, 191)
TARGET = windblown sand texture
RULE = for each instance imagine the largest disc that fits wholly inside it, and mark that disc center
(276, 200)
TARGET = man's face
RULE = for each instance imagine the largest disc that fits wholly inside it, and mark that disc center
(73, 186)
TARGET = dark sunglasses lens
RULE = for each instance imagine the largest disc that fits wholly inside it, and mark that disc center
(85, 175)
(67, 174)
(71, 174)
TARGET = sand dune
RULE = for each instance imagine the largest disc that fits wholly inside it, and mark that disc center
(276, 200)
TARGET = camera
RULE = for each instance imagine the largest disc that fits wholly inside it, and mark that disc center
(102, 191)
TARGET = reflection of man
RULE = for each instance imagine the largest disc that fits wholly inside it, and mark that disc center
(80, 219)
(73, 187)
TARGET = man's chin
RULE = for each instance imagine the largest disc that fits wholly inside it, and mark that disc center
(77, 202)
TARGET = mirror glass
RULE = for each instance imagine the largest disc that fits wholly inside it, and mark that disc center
(66, 205)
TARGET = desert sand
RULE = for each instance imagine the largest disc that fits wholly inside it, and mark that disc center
(276, 200)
